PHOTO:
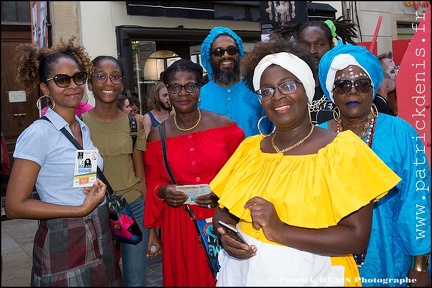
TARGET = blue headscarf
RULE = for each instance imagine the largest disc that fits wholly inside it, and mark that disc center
(207, 43)
(340, 57)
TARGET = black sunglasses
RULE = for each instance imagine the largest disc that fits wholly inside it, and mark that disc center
(63, 80)
(363, 85)
(219, 52)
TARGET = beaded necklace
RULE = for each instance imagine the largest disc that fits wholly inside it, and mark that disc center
(368, 130)
(187, 129)
(291, 147)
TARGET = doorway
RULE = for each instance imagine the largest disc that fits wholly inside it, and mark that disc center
(18, 109)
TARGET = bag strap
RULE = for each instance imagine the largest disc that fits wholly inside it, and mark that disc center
(110, 191)
(164, 151)
(133, 128)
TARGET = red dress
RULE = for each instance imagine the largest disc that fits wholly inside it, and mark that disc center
(195, 158)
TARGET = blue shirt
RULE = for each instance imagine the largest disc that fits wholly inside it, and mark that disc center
(401, 223)
(43, 142)
(237, 102)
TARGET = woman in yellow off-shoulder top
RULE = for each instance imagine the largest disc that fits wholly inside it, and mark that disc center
(301, 196)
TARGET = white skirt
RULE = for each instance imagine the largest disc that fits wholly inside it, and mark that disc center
(275, 265)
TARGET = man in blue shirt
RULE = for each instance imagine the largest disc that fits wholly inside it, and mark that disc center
(226, 93)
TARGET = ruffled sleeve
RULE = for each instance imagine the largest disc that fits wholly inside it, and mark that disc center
(312, 191)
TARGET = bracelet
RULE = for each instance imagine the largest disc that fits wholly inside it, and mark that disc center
(420, 263)
(156, 196)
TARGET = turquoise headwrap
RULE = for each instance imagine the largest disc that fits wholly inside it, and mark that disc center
(206, 46)
(340, 57)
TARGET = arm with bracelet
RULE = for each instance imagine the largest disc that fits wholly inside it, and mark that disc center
(419, 273)
(420, 263)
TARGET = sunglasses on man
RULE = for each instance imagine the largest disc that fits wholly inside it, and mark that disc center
(219, 52)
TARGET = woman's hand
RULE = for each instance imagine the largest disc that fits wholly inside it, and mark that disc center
(233, 246)
(207, 201)
(264, 216)
(172, 196)
(95, 195)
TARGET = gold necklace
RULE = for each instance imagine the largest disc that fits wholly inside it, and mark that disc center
(187, 129)
(291, 147)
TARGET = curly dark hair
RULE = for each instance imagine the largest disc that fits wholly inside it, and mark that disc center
(345, 30)
(276, 45)
(34, 64)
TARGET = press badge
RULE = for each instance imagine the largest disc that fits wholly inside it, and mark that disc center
(85, 168)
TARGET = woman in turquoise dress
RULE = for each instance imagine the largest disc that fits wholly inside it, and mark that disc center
(399, 245)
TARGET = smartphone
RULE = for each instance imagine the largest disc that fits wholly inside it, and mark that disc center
(232, 230)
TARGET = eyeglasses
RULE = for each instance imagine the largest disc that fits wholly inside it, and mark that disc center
(102, 78)
(219, 52)
(285, 88)
(190, 87)
(363, 85)
(63, 80)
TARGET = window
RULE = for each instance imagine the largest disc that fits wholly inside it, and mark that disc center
(15, 12)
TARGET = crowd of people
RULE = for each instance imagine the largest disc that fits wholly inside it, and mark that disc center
(295, 142)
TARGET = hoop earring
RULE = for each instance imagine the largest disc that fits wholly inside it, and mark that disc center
(259, 128)
(50, 100)
(374, 110)
(86, 102)
(336, 114)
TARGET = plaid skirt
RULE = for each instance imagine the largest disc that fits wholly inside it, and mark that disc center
(76, 252)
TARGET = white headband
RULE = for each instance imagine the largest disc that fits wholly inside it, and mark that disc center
(340, 62)
(291, 63)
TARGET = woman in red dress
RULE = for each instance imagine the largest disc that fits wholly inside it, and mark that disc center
(199, 143)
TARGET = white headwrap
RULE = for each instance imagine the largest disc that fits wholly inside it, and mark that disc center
(291, 63)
